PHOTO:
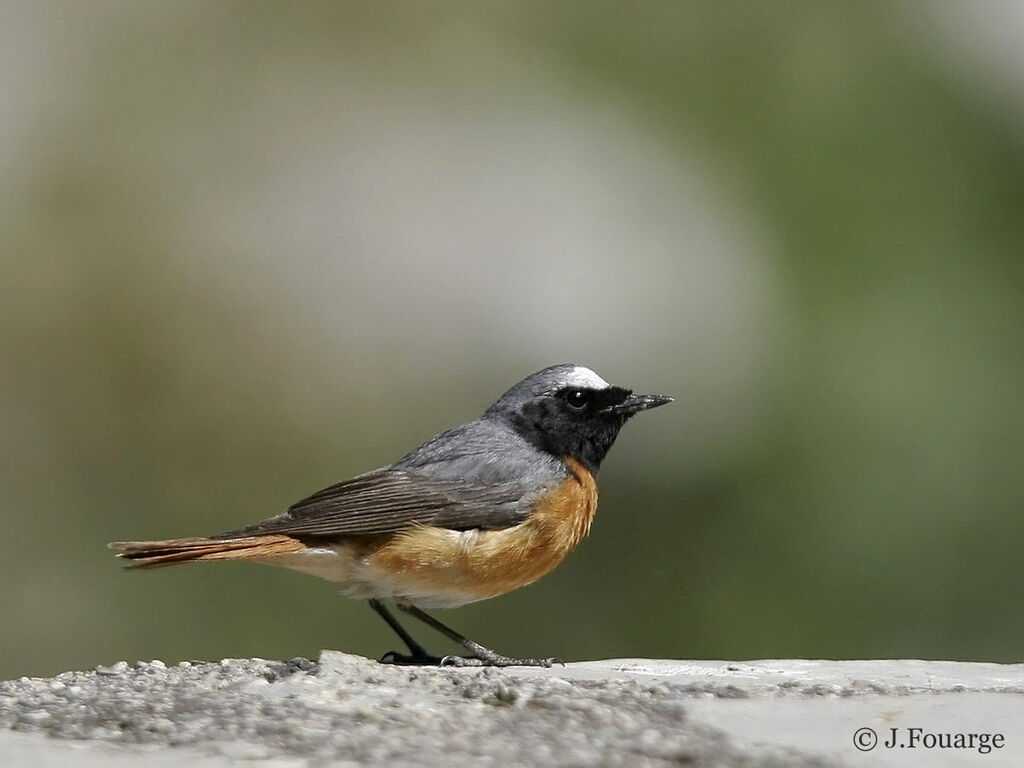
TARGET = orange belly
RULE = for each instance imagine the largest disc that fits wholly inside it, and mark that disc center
(436, 567)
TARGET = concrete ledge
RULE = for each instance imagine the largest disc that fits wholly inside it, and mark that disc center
(347, 710)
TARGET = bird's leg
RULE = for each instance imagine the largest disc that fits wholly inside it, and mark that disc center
(417, 653)
(482, 656)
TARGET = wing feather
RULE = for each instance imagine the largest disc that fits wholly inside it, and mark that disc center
(389, 500)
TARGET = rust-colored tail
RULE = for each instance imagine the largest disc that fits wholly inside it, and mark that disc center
(153, 554)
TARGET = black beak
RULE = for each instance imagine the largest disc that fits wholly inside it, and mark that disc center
(636, 403)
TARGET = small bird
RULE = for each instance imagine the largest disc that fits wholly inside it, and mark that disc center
(473, 513)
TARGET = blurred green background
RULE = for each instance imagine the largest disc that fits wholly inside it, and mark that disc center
(254, 248)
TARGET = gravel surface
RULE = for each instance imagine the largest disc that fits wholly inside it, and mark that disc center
(349, 710)
(344, 710)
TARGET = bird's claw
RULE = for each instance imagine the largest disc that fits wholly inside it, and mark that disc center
(497, 660)
(410, 660)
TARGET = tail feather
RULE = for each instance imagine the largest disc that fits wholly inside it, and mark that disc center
(153, 554)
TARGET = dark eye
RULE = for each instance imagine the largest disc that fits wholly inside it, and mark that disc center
(577, 399)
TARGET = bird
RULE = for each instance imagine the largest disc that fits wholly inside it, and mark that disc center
(475, 512)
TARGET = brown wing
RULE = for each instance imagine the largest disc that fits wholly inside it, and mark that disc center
(388, 500)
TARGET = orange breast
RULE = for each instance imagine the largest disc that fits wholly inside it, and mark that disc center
(436, 566)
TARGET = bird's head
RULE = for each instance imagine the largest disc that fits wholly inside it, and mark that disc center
(568, 410)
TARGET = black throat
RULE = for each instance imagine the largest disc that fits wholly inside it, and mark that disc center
(587, 440)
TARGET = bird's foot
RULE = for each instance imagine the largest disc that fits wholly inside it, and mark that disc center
(411, 659)
(496, 660)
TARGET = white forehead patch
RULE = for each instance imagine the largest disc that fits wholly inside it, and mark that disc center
(584, 377)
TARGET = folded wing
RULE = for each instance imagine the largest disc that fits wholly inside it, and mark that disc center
(389, 500)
